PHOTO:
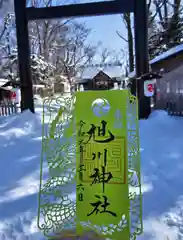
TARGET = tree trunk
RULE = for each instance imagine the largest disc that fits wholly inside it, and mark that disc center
(127, 19)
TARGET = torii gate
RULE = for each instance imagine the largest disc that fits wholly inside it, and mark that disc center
(25, 14)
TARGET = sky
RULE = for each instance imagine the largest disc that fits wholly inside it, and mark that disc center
(104, 29)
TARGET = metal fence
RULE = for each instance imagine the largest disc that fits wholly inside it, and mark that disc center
(172, 104)
(8, 108)
(169, 95)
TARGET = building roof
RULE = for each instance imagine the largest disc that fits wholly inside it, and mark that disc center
(111, 71)
(9, 82)
(169, 53)
(3, 81)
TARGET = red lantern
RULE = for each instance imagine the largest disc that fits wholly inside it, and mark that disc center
(150, 87)
(13, 95)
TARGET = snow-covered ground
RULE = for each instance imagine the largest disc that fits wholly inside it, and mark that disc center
(161, 142)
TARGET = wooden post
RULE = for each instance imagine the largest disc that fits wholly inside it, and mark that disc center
(141, 54)
(24, 55)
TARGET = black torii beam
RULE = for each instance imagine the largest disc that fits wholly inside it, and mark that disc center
(25, 14)
(80, 10)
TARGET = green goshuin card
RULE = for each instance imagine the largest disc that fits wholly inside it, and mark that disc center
(90, 142)
(102, 198)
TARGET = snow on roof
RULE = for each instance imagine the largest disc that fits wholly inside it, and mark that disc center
(91, 72)
(167, 54)
(38, 85)
(8, 88)
(162, 56)
(3, 81)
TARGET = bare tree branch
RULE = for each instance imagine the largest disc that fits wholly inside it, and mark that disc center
(121, 36)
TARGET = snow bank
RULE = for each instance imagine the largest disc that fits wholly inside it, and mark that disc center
(161, 142)
(20, 146)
